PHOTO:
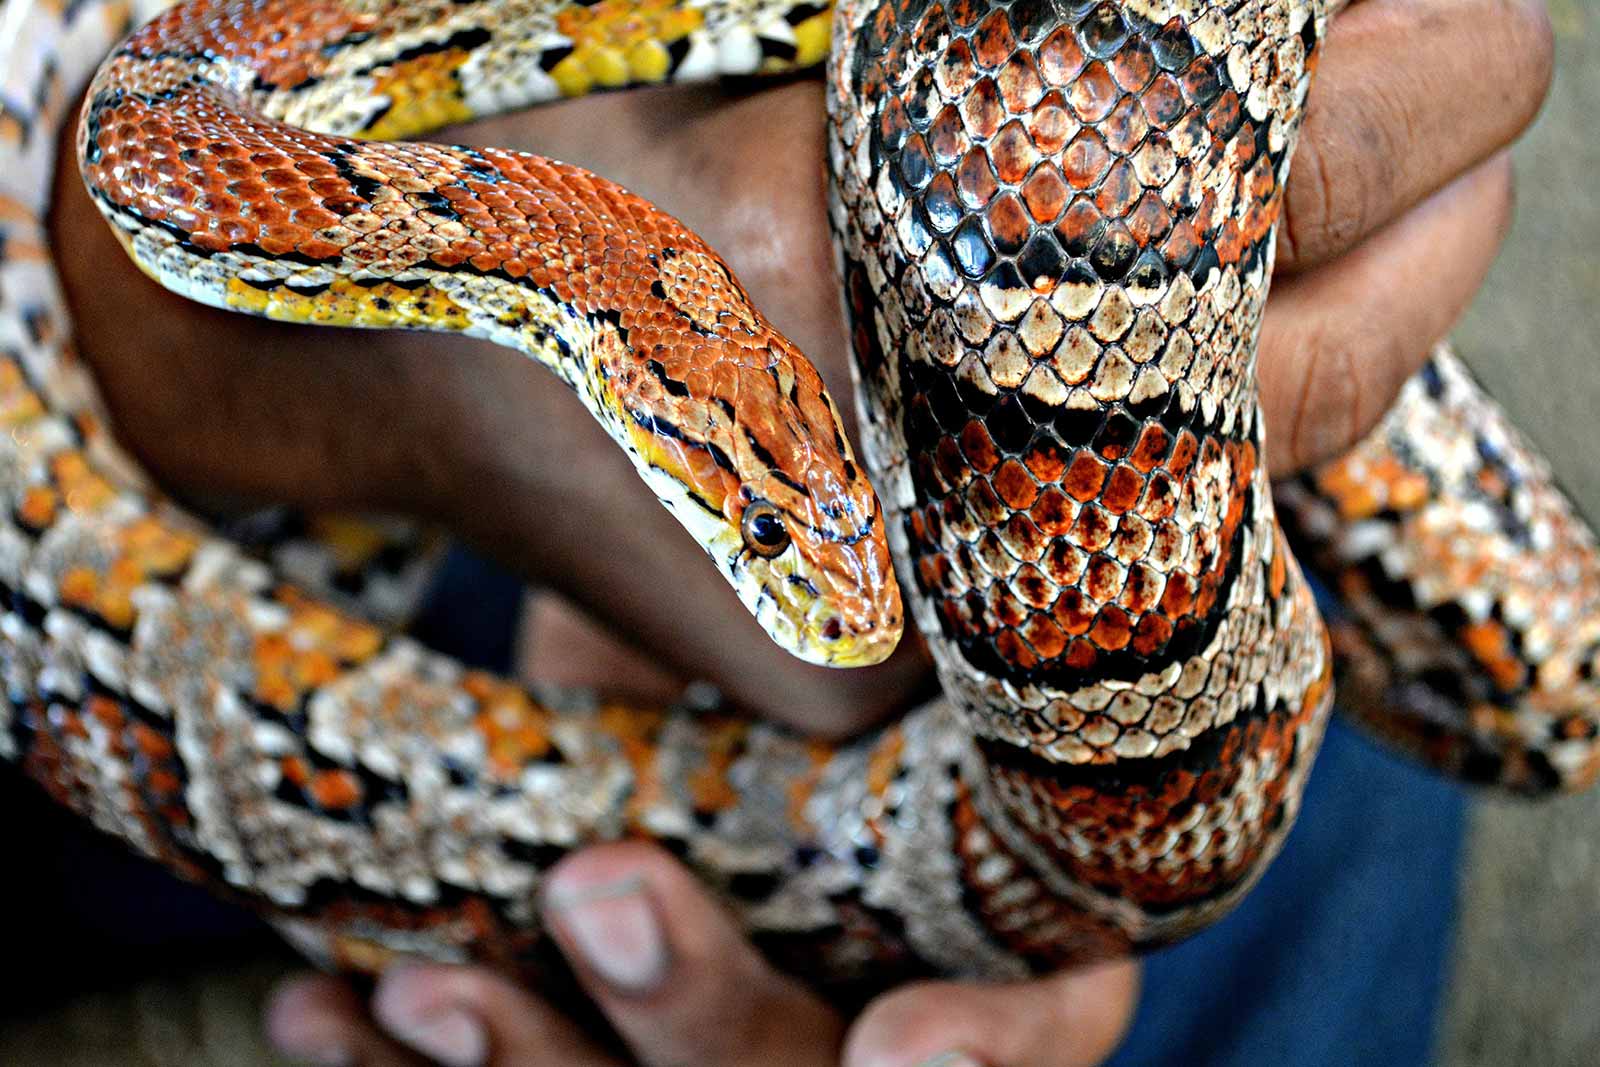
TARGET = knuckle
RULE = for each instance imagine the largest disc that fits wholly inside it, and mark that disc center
(1342, 177)
(1531, 44)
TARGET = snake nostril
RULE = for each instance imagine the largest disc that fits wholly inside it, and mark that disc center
(832, 629)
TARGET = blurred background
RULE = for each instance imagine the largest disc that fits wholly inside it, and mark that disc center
(108, 984)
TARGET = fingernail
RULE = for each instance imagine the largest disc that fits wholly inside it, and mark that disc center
(951, 1059)
(614, 929)
(453, 1037)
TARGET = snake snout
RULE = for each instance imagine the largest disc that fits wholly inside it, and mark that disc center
(859, 620)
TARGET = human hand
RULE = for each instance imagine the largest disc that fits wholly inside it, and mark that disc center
(681, 985)
(1399, 197)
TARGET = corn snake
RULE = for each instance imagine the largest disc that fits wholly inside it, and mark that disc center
(1020, 431)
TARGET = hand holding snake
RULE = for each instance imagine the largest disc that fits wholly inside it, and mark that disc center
(1202, 279)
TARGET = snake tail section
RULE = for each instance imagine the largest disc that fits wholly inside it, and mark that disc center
(1468, 626)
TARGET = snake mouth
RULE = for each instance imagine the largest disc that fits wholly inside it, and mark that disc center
(861, 633)
(836, 646)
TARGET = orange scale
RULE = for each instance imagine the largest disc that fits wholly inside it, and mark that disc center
(984, 504)
(994, 42)
(1085, 160)
(319, 248)
(1183, 455)
(982, 110)
(1119, 190)
(1178, 597)
(1123, 489)
(278, 240)
(933, 572)
(1012, 153)
(1094, 94)
(1020, 83)
(335, 789)
(310, 214)
(1044, 636)
(1151, 635)
(163, 782)
(124, 572)
(1052, 512)
(38, 507)
(1023, 539)
(1085, 477)
(1033, 587)
(79, 587)
(946, 135)
(1073, 612)
(1015, 485)
(1103, 580)
(314, 669)
(1134, 65)
(274, 688)
(1150, 449)
(1150, 220)
(1081, 654)
(1046, 194)
(105, 711)
(1224, 113)
(951, 465)
(1050, 124)
(1125, 128)
(1061, 57)
(150, 743)
(1014, 650)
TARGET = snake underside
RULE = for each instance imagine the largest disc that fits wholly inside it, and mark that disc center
(1055, 224)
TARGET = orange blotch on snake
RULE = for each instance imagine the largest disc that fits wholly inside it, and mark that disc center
(335, 789)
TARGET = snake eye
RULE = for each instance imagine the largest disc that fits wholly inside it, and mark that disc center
(763, 529)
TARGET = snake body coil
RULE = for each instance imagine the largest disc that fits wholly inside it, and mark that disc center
(1056, 230)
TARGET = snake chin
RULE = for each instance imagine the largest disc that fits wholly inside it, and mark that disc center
(816, 622)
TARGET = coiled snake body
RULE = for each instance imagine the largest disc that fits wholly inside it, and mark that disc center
(1055, 223)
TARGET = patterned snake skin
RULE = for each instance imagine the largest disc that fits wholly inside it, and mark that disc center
(1056, 231)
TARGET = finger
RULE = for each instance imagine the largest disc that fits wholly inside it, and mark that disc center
(1338, 342)
(318, 1019)
(671, 971)
(1410, 94)
(471, 1017)
(1072, 1019)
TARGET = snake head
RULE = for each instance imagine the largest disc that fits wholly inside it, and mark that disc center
(812, 564)
(737, 434)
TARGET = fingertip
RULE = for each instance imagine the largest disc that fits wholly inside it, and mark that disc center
(896, 1031)
(671, 968)
(437, 1010)
(314, 1018)
(1072, 1019)
(635, 883)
